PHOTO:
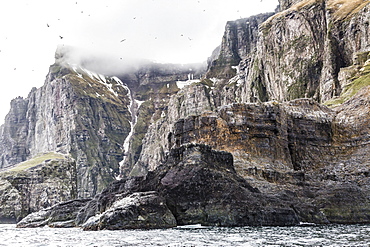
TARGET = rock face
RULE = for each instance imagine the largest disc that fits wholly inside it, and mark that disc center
(196, 185)
(36, 184)
(59, 215)
(143, 210)
(239, 41)
(249, 143)
(299, 51)
(97, 120)
(68, 115)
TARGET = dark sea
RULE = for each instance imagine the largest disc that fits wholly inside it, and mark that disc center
(329, 235)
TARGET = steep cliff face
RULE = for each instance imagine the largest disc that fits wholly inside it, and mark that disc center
(191, 100)
(35, 184)
(152, 86)
(239, 41)
(97, 120)
(76, 112)
(252, 129)
(299, 51)
(286, 4)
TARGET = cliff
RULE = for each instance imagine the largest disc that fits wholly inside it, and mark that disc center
(298, 52)
(275, 133)
(96, 120)
(75, 113)
(35, 184)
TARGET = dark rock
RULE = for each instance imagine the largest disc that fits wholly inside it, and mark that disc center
(200, 186)
(24, 190)
(141, 210)
(59, 215)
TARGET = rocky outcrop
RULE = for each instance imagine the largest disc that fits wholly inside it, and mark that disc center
(152, 86)
(298, 51)
(239, 41)
(248, 144)
(295, 145)
(141, 210)
(286, 4)
(294, 162)
(39, 183)
(77, 113)
(199, 186)
(202, 187)
(59, 215)
(97, 120)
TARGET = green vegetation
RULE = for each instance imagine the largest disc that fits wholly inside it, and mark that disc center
(36, 161)
(207, 82)
(343, 9)
(146, 111)
(58, 71)
(222, 67)
(358, 82)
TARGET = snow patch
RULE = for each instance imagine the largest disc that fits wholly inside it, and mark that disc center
(97, 77)
(182, 84)
(237, 68)
(139, 103)
(236, 79)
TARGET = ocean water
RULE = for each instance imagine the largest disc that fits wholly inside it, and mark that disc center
(331, 235)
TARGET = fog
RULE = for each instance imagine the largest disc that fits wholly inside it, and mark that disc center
(109, 35)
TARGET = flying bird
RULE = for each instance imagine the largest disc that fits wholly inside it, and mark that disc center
(60, 37)
(47, 25)
(123, 40)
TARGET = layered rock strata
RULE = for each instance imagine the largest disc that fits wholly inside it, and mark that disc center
(252, 130)
(297, 53)
(36, 184)
(199, 186)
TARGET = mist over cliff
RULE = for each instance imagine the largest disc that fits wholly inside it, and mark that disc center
(273, 131)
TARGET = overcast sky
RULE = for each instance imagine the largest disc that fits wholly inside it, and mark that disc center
(170, 31)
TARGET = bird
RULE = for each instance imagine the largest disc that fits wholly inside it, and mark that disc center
(123, 40)
(60, 37)
(47, 24)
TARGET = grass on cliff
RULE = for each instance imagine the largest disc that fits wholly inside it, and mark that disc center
(345, 8)
(35, 161)
(350, 90)
(341, 9)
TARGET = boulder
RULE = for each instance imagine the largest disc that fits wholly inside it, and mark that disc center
(59, 215)
(141, 210)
